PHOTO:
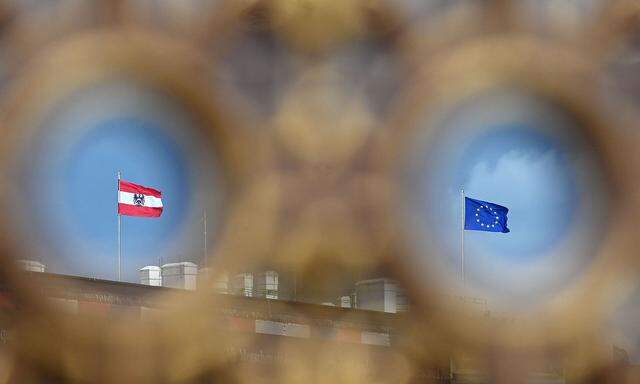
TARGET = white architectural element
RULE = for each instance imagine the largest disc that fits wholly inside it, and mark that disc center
(266, 284)
(180, 275)
(345, 301)
(219, 282)
(31, 265)
(151, 275)
(402, 301)
(377, 295)
(268, 327)
(242, 284)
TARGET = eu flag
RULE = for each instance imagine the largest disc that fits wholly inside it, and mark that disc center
(484, 216)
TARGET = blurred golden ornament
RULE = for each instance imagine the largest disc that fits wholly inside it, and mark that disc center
(318, 25)
(321, 122)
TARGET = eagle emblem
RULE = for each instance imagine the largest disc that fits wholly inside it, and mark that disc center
(138, 199)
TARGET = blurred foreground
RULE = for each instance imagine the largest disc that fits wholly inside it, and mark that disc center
(311, 154)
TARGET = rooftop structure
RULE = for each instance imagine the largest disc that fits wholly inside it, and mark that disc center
(151, 275)
(181, 275)
(31, 265)
(377, 295)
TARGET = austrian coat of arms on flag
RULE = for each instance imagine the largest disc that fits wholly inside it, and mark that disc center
(136, 200)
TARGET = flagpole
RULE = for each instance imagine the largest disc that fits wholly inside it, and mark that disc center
(204, 236)
(462, 234)
(119, 234)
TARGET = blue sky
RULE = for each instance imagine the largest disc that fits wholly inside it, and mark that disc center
(81, 146)
(506, 148)
(513, 150)
(516, 167)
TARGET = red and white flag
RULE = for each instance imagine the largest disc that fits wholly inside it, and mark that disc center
(136, 200)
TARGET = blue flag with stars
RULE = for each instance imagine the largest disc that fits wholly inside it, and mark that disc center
(484, 216)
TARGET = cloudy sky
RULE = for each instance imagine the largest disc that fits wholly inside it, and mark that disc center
(507, 148)
(516, 151)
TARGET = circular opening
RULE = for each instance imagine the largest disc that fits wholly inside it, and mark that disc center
(67, 182)
(520, 151)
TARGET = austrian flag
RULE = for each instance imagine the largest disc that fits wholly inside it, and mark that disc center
(136, 200)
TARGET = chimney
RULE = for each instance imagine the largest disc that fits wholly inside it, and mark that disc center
(31, 265)
(180, 275)
(151, 275)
